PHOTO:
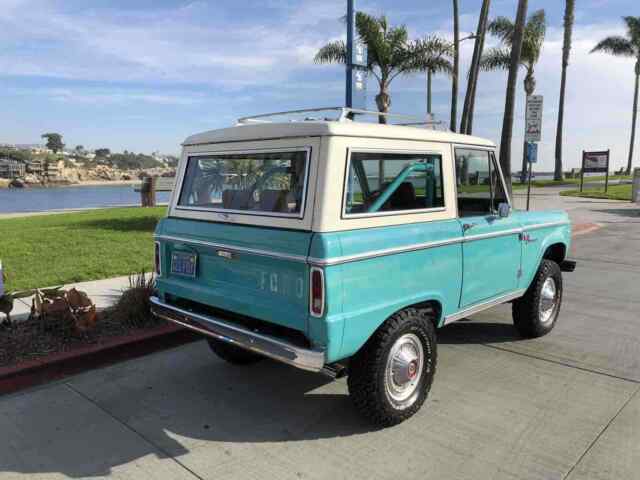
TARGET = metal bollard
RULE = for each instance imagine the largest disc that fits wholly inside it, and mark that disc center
(635, 188)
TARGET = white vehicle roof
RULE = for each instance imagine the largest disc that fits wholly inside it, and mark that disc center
(270, 131)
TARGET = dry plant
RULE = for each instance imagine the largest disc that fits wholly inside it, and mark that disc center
(134, 308)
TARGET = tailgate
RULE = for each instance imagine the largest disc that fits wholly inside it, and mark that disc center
(253, 271)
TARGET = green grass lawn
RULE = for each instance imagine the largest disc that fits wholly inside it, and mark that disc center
(49, 250)
(615, 192)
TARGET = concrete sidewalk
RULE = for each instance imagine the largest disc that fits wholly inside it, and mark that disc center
(103, 293)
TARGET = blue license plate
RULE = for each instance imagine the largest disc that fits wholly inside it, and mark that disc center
(184, 263)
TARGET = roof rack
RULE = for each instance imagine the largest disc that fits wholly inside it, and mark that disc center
(338, 114)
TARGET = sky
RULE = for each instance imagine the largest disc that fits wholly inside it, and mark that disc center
(143, 75)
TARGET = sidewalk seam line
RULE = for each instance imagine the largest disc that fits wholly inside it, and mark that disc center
(133, 430)
(563, 364)
(606, 427)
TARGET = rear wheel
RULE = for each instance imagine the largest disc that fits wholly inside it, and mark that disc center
(390, 377)
(232, 354)
(535, 314)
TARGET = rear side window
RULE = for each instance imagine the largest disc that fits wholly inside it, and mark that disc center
(264, 183)
(480, 189)
(393, 182)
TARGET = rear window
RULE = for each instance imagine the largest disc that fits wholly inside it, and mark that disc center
(261, 183)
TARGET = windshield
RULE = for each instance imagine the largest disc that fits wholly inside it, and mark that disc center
(256, 183)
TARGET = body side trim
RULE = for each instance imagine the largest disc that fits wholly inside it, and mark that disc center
(324, 262)
(224, 246)
(479, 307)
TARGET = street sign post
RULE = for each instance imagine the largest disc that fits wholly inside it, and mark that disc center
(533, 119)
(595, 162)
(532, 157)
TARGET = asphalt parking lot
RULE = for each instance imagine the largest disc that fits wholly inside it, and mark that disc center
(566, 406)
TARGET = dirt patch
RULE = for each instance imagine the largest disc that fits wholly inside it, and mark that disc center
(30, 340)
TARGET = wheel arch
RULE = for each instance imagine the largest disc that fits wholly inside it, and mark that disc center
(432, 305)
(556, 252)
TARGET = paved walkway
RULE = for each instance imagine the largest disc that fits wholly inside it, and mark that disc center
(565, 406)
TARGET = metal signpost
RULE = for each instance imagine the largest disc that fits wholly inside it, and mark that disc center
(356, 63)
(595, 162)
(532, 157)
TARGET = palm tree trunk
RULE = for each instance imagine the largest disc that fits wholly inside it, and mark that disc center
(469, 100)
(429, 94)
(383, 101)
(456, 67)
(566, 50)
(507, 122)
(635, 118)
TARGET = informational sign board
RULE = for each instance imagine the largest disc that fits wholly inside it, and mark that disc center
(595, 162)
(533, 119)
(532, 152)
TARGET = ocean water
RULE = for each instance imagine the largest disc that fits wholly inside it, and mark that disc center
(19, 200)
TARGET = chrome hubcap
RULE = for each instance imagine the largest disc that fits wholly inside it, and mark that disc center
(403, 370)
(548, 300)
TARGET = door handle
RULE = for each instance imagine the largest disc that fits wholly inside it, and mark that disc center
(468, 226)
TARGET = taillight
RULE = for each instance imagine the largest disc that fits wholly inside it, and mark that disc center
(158, 260)
(317, 292)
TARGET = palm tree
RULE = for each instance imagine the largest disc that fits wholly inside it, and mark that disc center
(456, 66)
(517, 46)
(390, 54)
(466, 123)
(566, 50)
(628, 46)
(499, 58)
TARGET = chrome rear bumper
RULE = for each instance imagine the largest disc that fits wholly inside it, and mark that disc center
(281, 350)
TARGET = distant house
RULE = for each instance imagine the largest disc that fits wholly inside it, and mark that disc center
(35, 167)
(10, 168)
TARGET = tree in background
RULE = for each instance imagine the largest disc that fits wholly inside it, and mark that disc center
(79, 149)
(54, 141)
(466, 122)
(516, 42)
(628, 46)
(566, 50)
(102, 152)
(436, 60)
(390, 54)
(456, 67)
(500, 58)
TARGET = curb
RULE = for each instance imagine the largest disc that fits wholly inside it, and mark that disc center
(584, 228)
(117, 349)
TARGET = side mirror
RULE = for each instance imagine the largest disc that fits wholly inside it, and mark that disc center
(504, 210)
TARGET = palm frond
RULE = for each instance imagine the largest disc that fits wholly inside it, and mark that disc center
(615, 45)
(430, 53)
(503, 28)
(334, 52)
(496, 59)
(533, 40)
(633, 29)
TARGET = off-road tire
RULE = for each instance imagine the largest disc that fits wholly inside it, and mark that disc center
(526, 310)
(367, 369)
(232, 354)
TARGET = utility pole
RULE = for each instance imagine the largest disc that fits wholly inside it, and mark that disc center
(351, 27)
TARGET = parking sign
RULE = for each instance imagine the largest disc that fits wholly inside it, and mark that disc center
(533, 119)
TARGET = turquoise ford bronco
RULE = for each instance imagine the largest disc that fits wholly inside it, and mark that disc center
(340, 246)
